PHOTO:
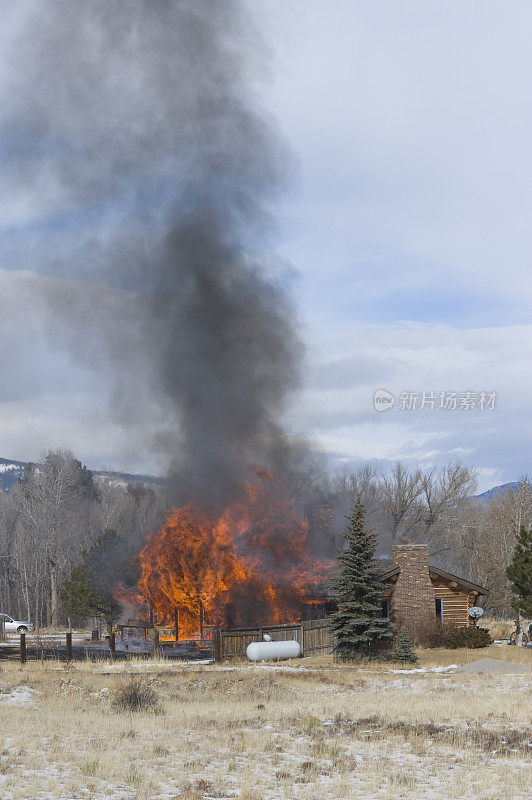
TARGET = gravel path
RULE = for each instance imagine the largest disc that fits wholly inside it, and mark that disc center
(494, 665)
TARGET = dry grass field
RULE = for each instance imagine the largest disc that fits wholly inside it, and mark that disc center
(308, 729)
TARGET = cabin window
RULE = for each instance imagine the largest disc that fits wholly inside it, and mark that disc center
(439, 608)
(385, 610)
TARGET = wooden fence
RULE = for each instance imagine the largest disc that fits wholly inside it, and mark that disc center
(313, 635)
(61, 648)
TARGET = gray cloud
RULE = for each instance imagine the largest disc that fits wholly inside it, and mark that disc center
(350, 371)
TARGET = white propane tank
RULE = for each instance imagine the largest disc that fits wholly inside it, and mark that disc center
(273, 651)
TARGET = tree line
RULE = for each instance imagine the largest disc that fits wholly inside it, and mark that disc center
(468, 536)
(57, 511)
(358, 626)
(60, 516)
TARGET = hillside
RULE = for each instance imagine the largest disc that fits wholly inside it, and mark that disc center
(11, 471)
(496, 491)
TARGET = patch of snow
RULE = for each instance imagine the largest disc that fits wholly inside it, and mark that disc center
(286, 668)
(17, 696)
(423, 670)
(148, 666)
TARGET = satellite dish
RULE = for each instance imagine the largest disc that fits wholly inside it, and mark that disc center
(475, 613)
(267, 637)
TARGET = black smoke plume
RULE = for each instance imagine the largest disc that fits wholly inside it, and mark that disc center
(156, 171)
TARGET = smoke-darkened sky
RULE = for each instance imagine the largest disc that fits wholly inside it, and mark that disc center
(138, 129)
(403, 239)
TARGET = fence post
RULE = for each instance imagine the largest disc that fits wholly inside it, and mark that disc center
(176, 624)
(218, 645)
(302, 629)
(2, 629)
(112, 646)
(22, 648)
(69, 646)
(201, 619)
(156, 644)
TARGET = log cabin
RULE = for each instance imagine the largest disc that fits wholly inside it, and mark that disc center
(417, 594)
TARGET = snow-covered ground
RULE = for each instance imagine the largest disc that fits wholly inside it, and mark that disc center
(262, 732)
(424, 670)
(18, 695)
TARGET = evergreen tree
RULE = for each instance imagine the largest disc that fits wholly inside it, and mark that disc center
(520, 572)
(89, 590)
(85, 480)
(403, 650)
(358, 626)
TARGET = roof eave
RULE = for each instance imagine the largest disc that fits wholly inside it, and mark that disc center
(473, 587)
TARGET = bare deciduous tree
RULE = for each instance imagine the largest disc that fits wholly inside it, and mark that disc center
(56, 511)
(400, 492)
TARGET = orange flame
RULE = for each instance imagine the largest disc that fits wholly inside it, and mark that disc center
(249, 566)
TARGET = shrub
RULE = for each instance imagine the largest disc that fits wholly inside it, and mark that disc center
(454, 636)
(475, 637)
(135, 695)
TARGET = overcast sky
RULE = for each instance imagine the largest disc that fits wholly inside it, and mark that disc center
(406, 227)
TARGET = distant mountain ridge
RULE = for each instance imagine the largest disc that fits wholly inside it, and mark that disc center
(11, 471)
(496, 491)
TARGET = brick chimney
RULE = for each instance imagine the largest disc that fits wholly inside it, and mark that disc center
(412, 602)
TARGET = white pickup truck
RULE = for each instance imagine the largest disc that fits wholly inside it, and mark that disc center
(15, 625)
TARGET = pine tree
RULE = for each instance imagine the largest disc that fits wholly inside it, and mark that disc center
(358, 626)
(520, 572)
(89, 590)
(403, 650)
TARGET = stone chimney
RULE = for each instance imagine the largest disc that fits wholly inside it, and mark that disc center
(413, 601)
